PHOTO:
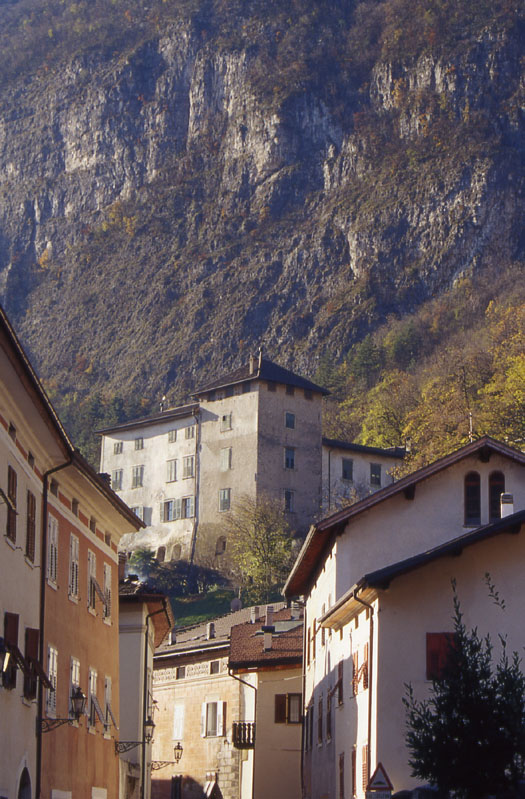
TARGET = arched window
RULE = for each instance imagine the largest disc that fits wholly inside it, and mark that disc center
(496, 489)
(176, 552)
(161, 554)
(472, 500)
(220, 545)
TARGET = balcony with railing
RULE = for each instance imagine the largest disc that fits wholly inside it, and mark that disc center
(243, 733)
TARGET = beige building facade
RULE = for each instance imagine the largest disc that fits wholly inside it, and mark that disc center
(347, 653)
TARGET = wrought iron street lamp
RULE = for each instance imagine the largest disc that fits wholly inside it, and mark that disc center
(78, 703)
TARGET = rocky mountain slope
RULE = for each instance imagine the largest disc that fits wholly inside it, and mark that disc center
(184, 182)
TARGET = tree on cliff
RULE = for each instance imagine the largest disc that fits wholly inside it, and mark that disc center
(468, 737)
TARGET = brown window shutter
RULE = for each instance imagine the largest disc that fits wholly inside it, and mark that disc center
(11, 628)
(11, 510)
(365, 668)
(365, 767)
(31, 656)
(313, 640)
(355, 673)
(340, 684)
(342, 775)
(31, 526)
(308, 648)
(354, 771)
(280, 708)
(438, 652)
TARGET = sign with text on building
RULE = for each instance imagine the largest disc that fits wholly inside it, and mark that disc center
(379, 786)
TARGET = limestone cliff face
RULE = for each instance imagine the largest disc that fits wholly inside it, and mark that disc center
(161, 215)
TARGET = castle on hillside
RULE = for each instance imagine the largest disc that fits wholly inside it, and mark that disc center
(254, 432)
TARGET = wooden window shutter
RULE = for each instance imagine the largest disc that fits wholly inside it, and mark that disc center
(364, 774)
(221, 718)
(11, 509)
(354, 771)
(438, 652)
(340, 684)
(280, 709)
(355, 672)
(11, 628)
(342, 775)
(31, 526)
(308, 644)
(31, 655)
(365, 668)
(313, 639)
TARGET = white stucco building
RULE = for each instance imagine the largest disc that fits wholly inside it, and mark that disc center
(255, 431)
(376, 579)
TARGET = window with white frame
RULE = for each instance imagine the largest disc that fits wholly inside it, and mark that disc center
(91, 578)
(116, 479)
(289, 458)
(52, 671)
(289, 420)
(137, 476)
(52, 550)
(172, 436)
(224, 499)
(188, 507)
(139, 443)
(178, 722)
(74, 682)
(289, 500)
(107, 590)
(171, 471)
(226, 422)
(213, 718)
(73, 566)
(118, 447)
(226, 459)
(188, 465)
(189, 431)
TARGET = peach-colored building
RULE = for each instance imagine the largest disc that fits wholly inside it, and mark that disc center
(59, 574)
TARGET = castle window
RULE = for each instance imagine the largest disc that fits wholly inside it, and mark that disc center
(347, 469)
(289, 420)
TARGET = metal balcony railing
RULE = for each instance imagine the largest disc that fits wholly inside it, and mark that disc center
(243, 734)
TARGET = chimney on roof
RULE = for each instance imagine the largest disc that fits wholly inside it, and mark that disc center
(210, 630)
(122, 561)
(251, 364)
(507, 505)
(162, 403)
(295, 611)
(254, 614)
(269, 616)
(267, 640)
(260, 358)
(173, 636)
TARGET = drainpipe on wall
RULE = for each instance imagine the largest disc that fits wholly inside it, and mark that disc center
(43, 578)
(370, 662)
(254, 687)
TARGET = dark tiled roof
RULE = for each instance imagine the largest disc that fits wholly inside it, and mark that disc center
(246, 645)
(195, 637)
(268, 370)
(390, 452)
(170, 413)
(311, 553)
(134, 588)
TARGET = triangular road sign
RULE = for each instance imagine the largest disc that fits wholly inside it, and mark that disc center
(379, 780)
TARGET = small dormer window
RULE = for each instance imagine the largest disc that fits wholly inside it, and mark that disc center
(472, 500)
